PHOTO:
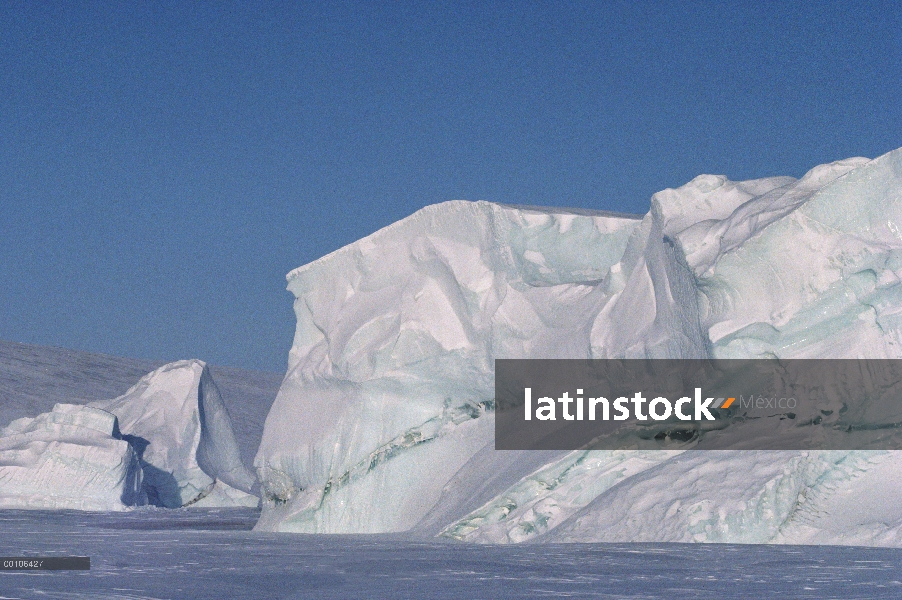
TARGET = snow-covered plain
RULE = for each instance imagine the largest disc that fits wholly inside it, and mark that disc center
(157, 554)
(384, 420)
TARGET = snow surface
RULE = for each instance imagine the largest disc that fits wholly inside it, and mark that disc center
(384, 420)
(155, 554)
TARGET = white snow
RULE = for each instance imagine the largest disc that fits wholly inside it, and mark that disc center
(380, 425)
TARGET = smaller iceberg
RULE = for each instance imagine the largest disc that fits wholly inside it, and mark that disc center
(73, 457)
(178, 424)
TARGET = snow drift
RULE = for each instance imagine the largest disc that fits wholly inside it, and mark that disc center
(384, 420)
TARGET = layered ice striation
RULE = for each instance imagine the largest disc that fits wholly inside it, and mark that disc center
(70, 458)
(177, 422)
(384, 420)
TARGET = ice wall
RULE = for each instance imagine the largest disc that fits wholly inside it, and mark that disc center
(384, 420)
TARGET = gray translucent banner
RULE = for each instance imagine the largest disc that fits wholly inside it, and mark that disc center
(45, 563)
(698, 404)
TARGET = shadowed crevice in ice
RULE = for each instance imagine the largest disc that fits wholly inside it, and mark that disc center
(160, 487)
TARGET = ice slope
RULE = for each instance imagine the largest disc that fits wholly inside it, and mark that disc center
(835, 497)
(807, 269)
(72, 457)
(382, 421)
(176, 420)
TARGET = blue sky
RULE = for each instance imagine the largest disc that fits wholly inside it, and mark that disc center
(163, 164)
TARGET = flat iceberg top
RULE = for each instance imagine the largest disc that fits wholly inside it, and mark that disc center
(566, 210)
(450, 219)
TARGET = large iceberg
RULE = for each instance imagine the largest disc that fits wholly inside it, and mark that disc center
(384, 421)
(390, 382)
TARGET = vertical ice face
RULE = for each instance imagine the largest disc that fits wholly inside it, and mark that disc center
(390, 382)
(70, 458)
(176, 420)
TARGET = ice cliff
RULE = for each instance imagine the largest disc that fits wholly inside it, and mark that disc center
(384, 420)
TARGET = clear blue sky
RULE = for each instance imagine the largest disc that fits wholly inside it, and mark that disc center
(164, 164)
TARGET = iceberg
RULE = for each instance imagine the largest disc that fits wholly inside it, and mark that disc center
(38, 379)
(384, 420)
(33, 379)
(167, 441)
(177, 422)
(72, 457)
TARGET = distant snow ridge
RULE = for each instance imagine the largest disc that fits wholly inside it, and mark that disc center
(72, 457)
(384, 421)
